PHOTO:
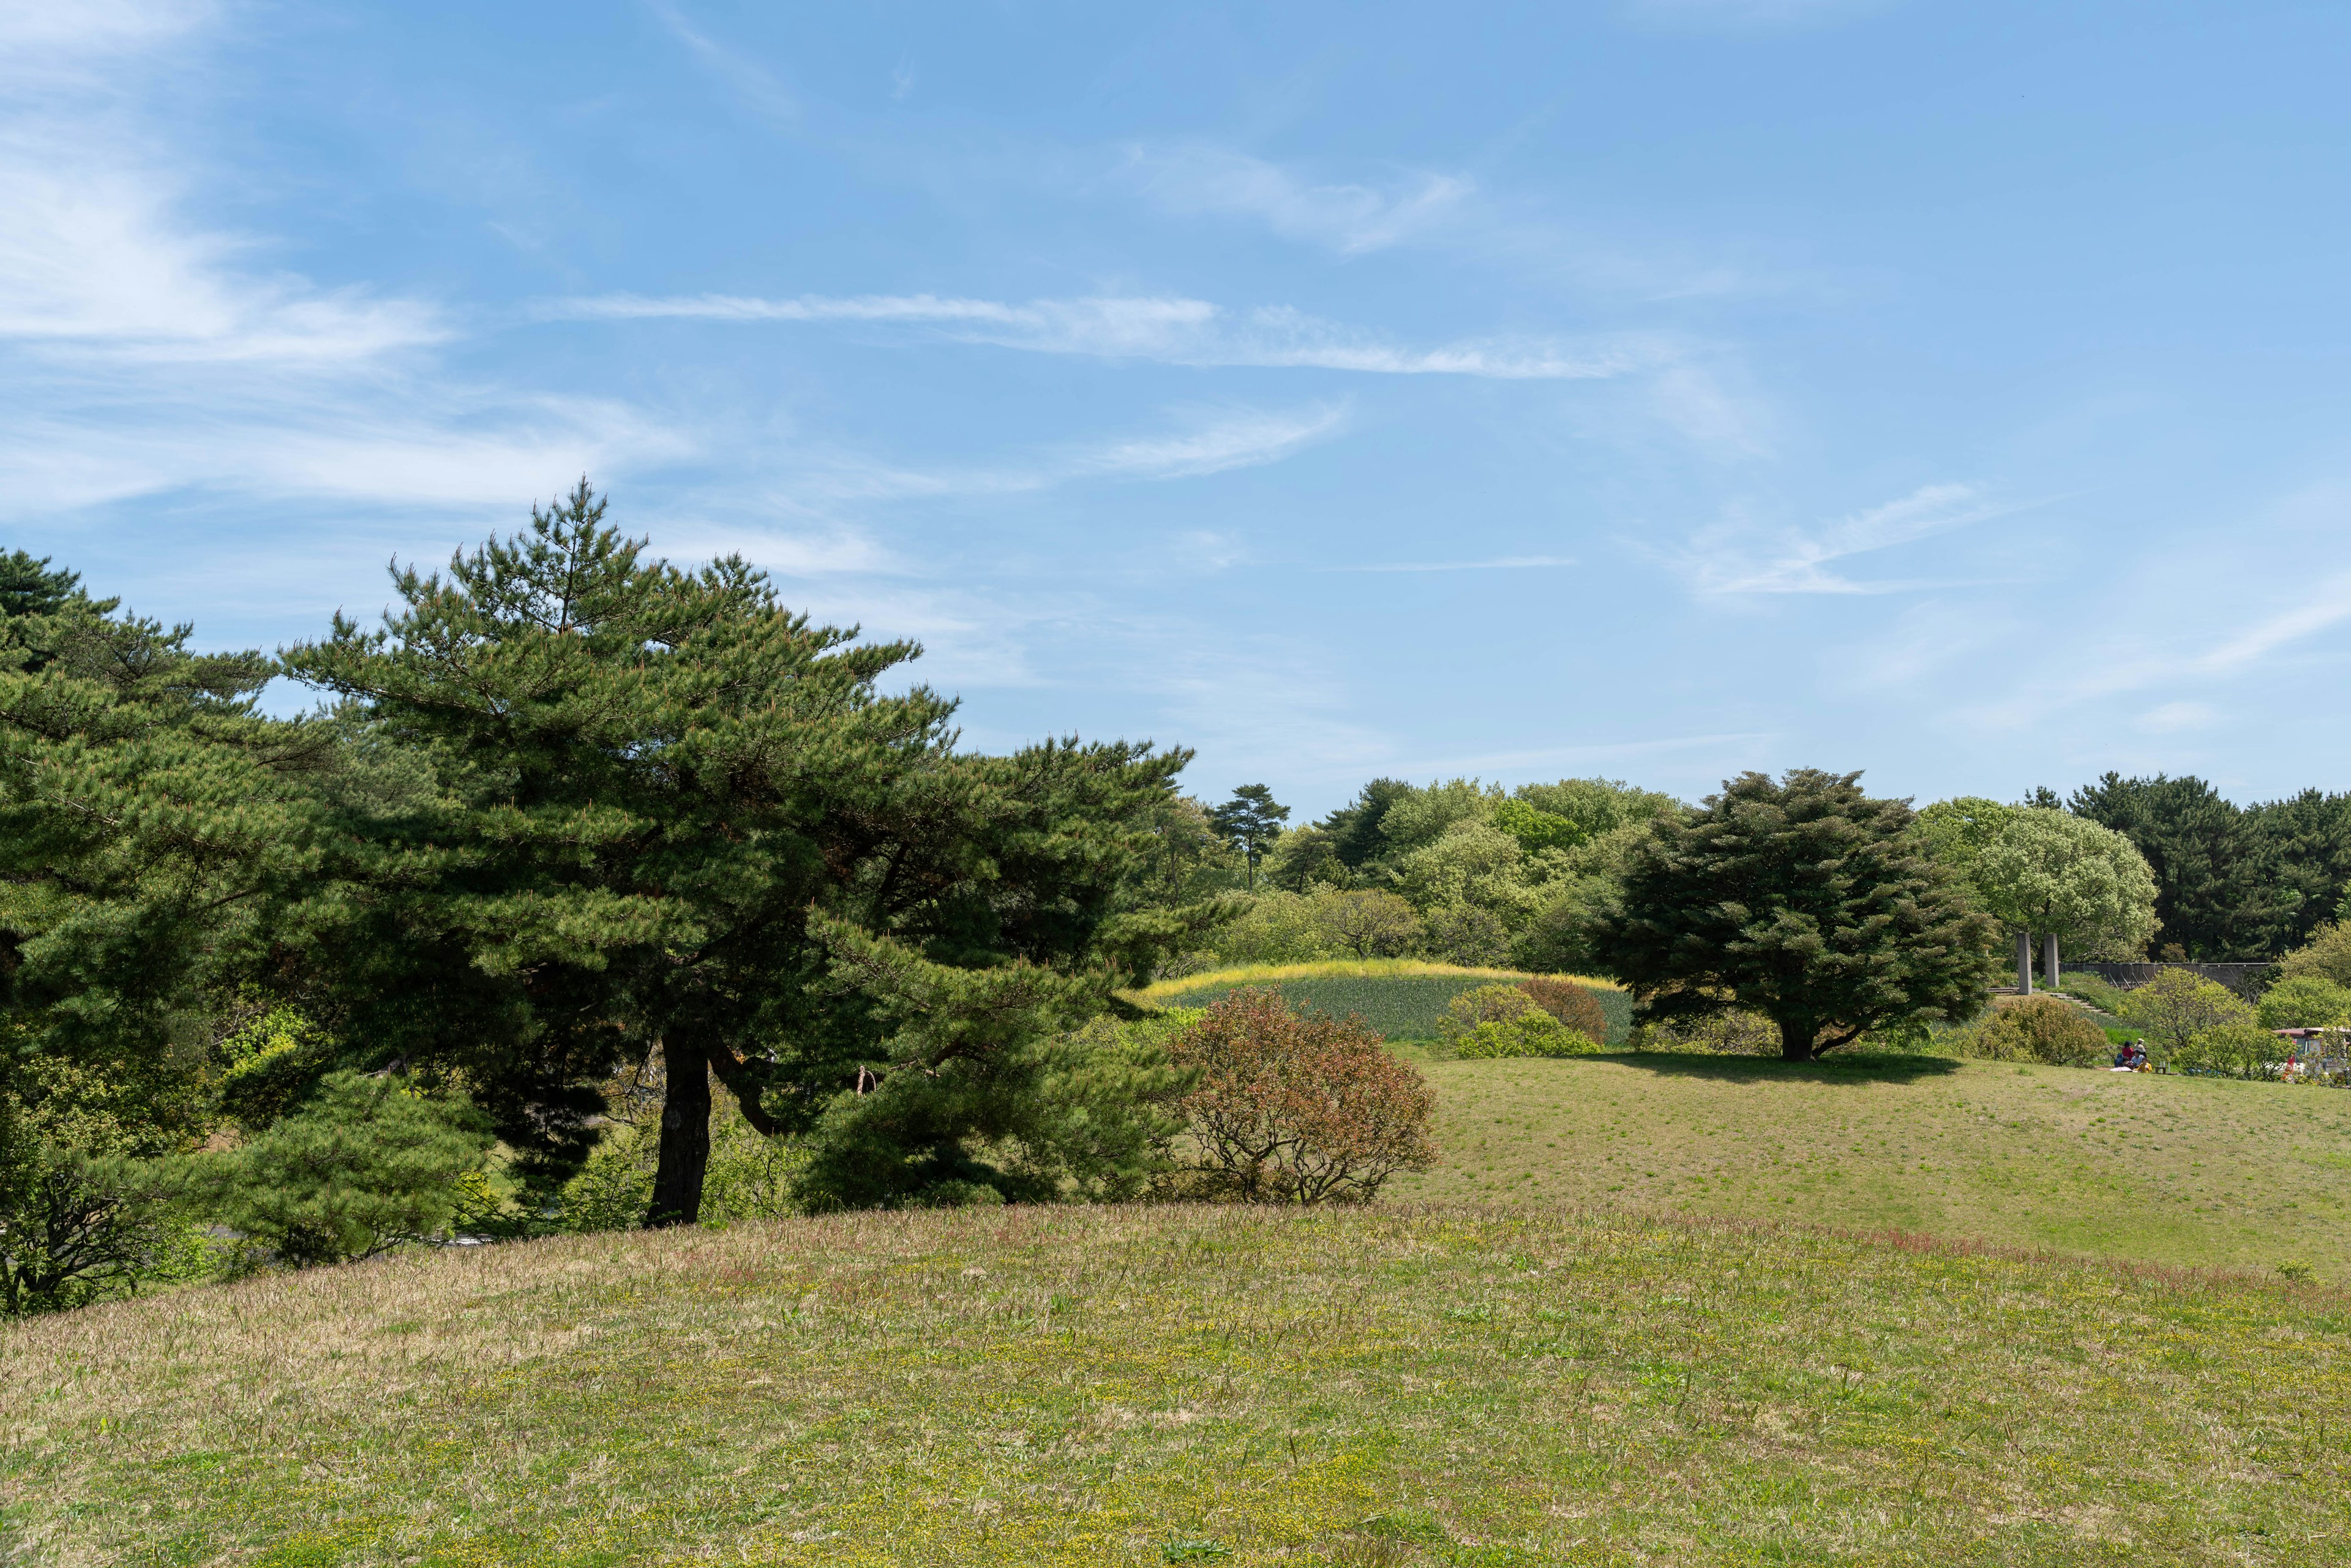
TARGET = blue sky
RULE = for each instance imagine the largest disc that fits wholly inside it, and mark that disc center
(1652, 388)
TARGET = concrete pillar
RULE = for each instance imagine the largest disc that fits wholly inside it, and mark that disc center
(2025, 962)
(2049, 959)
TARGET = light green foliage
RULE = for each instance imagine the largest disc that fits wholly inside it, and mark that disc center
(1492, 877)
(1585, 884)
(1419, 816)
(1534, 1033)
(2241, 1049)
(1466, 934)
(749, 1177)
(272, 1063)
(1956, 831)
(82, 1217)
(2180, 1004)
(1367, 922)
(2327, 956)
(1484, 1004)
(2051, 871)
(1536, 829)
(1598, 806)
(1305, 859)
(2304, 1001)
(1275, 927)
(364, 1166)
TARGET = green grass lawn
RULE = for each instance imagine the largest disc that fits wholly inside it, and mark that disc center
(1139, 1386)
(2197, 1171)
(1403, 998)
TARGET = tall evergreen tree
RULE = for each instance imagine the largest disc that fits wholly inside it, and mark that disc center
(2307, 838)
(1802, 899)
(667, 811)
(1250, 821)
(1355, 827)
(148, 814)
(2218, 892)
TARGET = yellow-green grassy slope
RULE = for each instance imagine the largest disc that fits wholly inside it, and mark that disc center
(2194, 1171)
(1093, 1386)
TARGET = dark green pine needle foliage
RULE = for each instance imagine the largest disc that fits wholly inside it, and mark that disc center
(148, 819)
(1250, 821)
(1802, 899)
(363, 1166)
(665, 811)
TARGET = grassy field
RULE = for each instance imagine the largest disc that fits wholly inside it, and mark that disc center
(1401, 998)
(2197, 1171)
(1142, 1386)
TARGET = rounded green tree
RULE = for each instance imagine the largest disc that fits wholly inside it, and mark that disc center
(1802, 899)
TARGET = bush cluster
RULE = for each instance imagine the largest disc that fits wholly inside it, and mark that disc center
(2038, 1029)
(1509, 1021)
(1294, 1107)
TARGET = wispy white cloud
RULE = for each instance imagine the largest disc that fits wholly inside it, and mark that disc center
(1168, 330)
(1197, 178)
(1729, 559)
(155, 353)
(1206, 443)
(748, 82)
(2179, 653)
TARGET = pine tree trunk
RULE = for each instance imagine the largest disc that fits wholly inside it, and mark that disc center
(685, 1138)
(1795, 1041)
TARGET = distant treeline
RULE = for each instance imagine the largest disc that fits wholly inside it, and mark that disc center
(2231, 882)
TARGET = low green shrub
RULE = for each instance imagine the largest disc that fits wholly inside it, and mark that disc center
(2038, 1029)
(1535, 1033)
(2304, 1001)
(1485, 1004)
(363, 1166)
(2238, 1050)
(1736, 1032)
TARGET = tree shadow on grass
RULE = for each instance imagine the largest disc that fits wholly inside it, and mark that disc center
(1883, 1067)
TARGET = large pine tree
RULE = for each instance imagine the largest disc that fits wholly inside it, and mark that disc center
(1802, 899)
(665, 812)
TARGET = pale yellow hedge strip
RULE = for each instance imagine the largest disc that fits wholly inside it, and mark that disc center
(1334, 968)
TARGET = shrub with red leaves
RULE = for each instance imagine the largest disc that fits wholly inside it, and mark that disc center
(1298, 1107)
(1569, 1003)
